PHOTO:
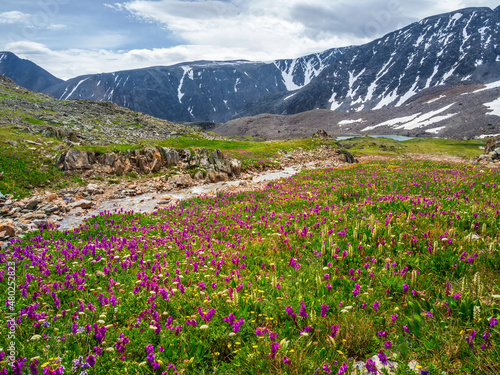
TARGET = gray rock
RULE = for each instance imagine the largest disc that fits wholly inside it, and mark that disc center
(76, 160)
(346, 157)
(181, 181)
(199, 176)
(84, 204)
(235, 167)
(32, 205)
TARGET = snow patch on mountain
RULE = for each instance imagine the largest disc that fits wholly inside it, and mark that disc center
(74, 89)
(350, 122)
(493, 107)
(435, 130)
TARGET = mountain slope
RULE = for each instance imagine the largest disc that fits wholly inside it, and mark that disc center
(444, 49)
(82, 121)
(26, 73)
(464, 111)
(197, 91)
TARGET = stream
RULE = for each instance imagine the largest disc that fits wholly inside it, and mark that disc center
(147, 202)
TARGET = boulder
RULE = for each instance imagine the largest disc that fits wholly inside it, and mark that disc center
(84, 204)
(107, 159)
(225, 166)
(199, 176)
(181, 181)
(32, 205)
(235, 167)
(76, 160)
(93, 189)
(321, 134)
(346, 157)
(7, 230)
(155, 165)
(142, 164)
(169, 156)
(211, 176)
(73, 137)
(492, 145)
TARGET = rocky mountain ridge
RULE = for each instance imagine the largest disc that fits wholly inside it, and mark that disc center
(456, 48)
(83, 121)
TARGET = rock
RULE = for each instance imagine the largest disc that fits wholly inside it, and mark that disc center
(7, 230)
(389, 369)
(155, 165)
(199, 176)
(235, 167)
(93, 189)
(211, 175)
(2, 197)
(54, 132)
(181, 181)
(142, 163)
(84, 204)
(32, 205)
(68, 200)
(73, 137)
(76, 160)
(221, 177)
(492, 145)
(321, 134)
(107, 159)
(52, 197)
(346, 157)
(169, 156)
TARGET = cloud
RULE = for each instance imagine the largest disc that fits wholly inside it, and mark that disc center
(257, 26)
(28, 48)
(56, 27)
(189, 30)
(14, 17)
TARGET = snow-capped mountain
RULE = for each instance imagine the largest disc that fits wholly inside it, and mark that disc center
(462, 46)
(197, 91)
(25, 73)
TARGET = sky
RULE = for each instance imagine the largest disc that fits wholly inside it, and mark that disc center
(75, 37)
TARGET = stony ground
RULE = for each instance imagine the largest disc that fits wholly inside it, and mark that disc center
(50, 208)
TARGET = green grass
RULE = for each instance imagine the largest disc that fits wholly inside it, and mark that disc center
(26, 167)
(390, 147)
(34, 121)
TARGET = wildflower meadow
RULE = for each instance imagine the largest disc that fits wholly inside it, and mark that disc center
(310, 275)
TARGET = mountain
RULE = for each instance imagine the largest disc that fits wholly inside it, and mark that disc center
(443, 51)
(197, 91)
(461, 46)
(26, 73)
(463, 111)
(82, 121)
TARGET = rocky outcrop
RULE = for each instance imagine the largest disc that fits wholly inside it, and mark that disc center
(491, 151)
(203, 162)
(346, 157)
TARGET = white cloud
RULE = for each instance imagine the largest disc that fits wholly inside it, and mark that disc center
(259, 30)
(14, 17)
(256, 27)
(55, 26)
(74, 62)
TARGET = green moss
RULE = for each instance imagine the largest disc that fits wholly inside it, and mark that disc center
(34, 121)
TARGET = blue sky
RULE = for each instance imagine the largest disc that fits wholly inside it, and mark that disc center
(75, 37)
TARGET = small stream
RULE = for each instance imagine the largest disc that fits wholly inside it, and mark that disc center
(147, 202)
